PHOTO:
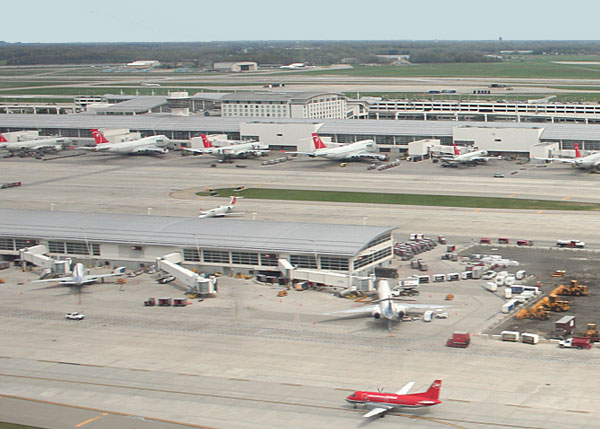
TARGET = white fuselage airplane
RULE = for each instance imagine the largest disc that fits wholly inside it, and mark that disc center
(239, 151)
(53, 144)
(221, 210)
(470, 158)
(294, 66)
(385, 307)
(357, 151)
(588, 162)
(80, 278)
(147, 145)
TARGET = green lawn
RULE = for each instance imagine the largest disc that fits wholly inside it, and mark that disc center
(405, 199)
(522, 67)
(16, 426)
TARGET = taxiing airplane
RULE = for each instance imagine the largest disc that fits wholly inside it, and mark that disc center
(44, 144)
(238, 150)
(588, 162)
(221, 210)
(294, 66)
(470, 158)
(385, 306)
(147, 145)
(357, 151)
(80, 278)
(381, 402)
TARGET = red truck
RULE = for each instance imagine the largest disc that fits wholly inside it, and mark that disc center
(576, 342)
(459, 340)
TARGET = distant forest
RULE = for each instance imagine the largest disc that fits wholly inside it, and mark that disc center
(203, 55)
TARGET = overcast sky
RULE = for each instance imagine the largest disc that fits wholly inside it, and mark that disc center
(201, 20)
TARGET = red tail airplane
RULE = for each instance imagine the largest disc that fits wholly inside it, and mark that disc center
(99, 137)
(381, 403)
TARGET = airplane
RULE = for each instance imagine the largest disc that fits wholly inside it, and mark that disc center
(40, 145)
(470, 158)
(588, 162)
(239, 151)
(221, 210)
(385, 307)
(360, 150)
(294, 66)
(79, 278)
(151, 144)
(381, 402)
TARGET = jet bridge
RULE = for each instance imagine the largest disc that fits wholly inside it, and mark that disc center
(36, 255)
(327, 278)
(197, 283)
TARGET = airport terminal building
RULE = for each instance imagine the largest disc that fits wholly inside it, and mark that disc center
(214, 244)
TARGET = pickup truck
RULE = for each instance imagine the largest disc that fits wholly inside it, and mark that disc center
(75, 316)
(578, 343)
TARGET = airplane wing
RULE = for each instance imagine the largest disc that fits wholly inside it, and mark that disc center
(406, 388)
(377, 411)
(356, 310)
(44, 146)
(62, 280)
(187, 149)
(150, 149)
(94, 277)
(249, 152)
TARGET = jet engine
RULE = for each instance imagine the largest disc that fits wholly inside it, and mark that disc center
(376, 314)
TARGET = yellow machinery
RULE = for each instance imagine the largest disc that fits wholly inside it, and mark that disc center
(536, 311)
(573, 289)
(591, 331)
(559, 273)
(553, 304)
(282, 293)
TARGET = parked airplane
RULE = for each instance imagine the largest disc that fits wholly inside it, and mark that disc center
(381, 402)
(235, 149)
(53, 144)
(152, 144)
(360, 150)
(79, 278)
(588, 162)
(385, 307)
(470, 158)
(221, 210)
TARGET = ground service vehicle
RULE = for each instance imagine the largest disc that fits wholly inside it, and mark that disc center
(459, 340)
(573, 289)
(150, 302)
(524, 243)
(74, 316)
(485, 240)
(575, 342)
(574, 244)
(503, 241)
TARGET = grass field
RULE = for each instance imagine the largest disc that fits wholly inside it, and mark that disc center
(521, 67)
(405, 199)
(15, 426)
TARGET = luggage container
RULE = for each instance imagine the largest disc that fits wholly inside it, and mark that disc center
(503, 241)
(499, 280)
(428, 316)
(439, 278)
(180, 302)
(466, 275)
(510, 336)
(451, 248)
(485, 240)
(534, 289)
(528, 338)
(441, 239)
(507, 293)
(164, 302)
(520, 275)
(478, 272)
(424, 279)
(453, 277)
(509, 280)
(509, 306)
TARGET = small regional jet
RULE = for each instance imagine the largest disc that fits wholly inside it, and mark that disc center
(588, 162)
(385, 307)
(221, 210)
(41, 145)
(470, 158)
(357, 151)
(236, 149)
(147, 145)
(380, 403)
(80, 278)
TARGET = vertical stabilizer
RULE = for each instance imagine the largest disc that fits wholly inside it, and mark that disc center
(318, 142)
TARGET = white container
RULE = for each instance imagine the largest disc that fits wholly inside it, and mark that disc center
(428, 316)
(520, 275)
(507, 293)
(510, 336)
(499, 280)
(509, 280)
(491, 286)
(530, 338)
(509, 306)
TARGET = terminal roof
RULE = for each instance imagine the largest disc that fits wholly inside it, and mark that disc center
(212, 233)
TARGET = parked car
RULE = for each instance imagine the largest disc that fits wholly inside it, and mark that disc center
(75, 316)
(498, 175)
(166, 279)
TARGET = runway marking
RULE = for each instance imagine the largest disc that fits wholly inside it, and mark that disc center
(238, 379)
(188, 375)
(92, 365)
(343, 390)
(291, 384)
(578, 411)
(139, 370)
(517, 405)
(116, 413)
(93, 419)
(458, 400)
(4, 357)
